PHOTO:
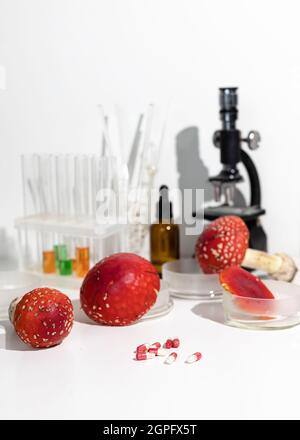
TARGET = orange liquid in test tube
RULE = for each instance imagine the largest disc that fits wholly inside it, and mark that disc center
(74, 263)
(82, 261)
(49, 265)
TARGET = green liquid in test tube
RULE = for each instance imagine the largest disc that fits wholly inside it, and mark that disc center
(65, 267)
(60, 251)
(64, 164)
(63, 263)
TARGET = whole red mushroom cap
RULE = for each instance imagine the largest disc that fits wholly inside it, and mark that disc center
(119, 289)
(223, 243)
(43, 317)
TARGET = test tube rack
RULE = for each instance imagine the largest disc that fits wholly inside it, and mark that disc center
(61, 235)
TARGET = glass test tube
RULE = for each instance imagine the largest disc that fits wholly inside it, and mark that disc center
(31, 253)
(97, 184)
(81, 187)
(65, 267)
(49, 260)
(82, 260)
(82, 196)
(63, 263)
(46, 198)
(63, 247)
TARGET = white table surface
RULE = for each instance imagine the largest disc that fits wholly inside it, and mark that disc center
(243, 374)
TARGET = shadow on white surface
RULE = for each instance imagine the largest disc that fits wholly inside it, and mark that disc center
(213, 311)
(10, 340)
(79, 314)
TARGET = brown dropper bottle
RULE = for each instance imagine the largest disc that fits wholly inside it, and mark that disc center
(164, 234)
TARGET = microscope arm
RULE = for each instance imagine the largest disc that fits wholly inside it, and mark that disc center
(255, 199)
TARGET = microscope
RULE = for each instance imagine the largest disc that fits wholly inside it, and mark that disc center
(229, 141)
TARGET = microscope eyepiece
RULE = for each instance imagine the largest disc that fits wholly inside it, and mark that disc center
(228, 100)
(228, 139)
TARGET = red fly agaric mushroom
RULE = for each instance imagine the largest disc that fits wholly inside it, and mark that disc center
(119, 289)
(43, 317)
(224, 243)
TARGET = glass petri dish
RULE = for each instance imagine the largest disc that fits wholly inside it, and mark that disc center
(12, 285)
(163, 305)
(281, 312)
(186, 280)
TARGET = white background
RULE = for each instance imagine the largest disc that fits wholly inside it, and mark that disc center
(63, 57)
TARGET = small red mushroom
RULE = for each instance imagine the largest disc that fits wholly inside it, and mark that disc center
(222, 244)
(43, 317)
(119, 289)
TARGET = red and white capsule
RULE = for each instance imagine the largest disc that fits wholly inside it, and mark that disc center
(171, 358)
(194, 358)
(158, 351)
(144, 356)
(169, 343)
(175, 343)
(143, 348)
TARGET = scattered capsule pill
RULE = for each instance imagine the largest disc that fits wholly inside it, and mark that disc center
(155, 345)
(175, 343)
(194, 358)
(169, 343)
(171, 358)
(143, 348)
(158, 351)
(144, 356)
(162, 352)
